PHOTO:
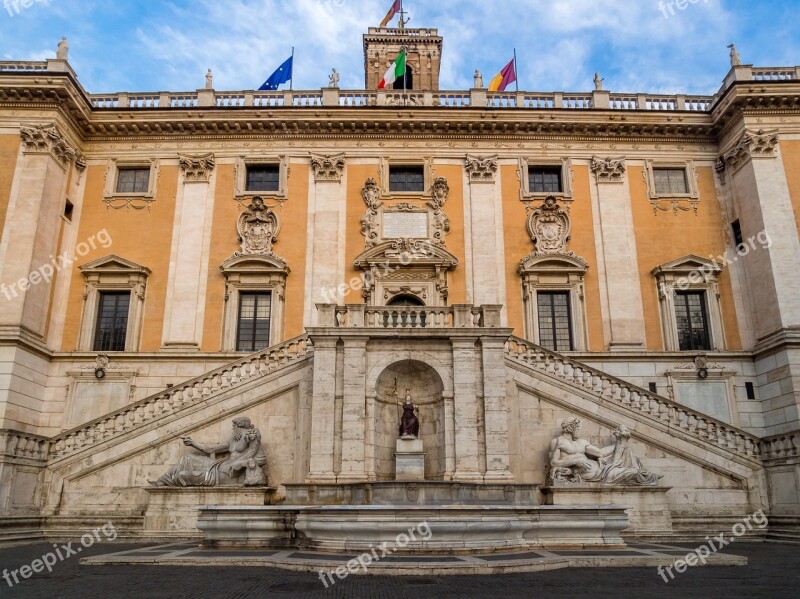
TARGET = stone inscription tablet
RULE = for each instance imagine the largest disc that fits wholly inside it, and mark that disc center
(401, 225)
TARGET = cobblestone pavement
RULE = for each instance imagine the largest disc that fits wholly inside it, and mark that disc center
(774, 572)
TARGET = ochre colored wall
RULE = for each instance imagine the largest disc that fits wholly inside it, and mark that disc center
(518, 244)
(454, 241)
(357, 174)
(790, 150)
(663, 237)
(9, 151)
(291, 246)
(139, 235)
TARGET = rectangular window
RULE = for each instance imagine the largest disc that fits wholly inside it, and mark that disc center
(653, 387)
(692, 319)
(544, 179)
(407, 178)
(263, 177)
(133, 180)
(555, 320)
(68, 210)
(750, 390)
(670, 181)
(737, 233)
(112, 321)
(253, 329)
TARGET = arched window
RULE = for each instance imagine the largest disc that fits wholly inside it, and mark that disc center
(409, 80)
(405, 300)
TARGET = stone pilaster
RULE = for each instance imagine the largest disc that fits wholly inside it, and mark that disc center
(465, 388)
(323, 411)
(191, 243)
(622, 283)
(495, 409)
(325, 233)
(354, 410)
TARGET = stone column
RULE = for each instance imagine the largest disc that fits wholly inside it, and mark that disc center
(191, 243)
(354, 410)
(495, 409)
(622, 282)
(323, 411)
(465, 404)
(325, 234)
(485, 261)
(449, 437)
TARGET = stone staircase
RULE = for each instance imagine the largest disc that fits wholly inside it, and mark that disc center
(180, 397)
(678, 419)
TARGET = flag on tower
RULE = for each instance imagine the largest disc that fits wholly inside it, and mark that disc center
(282, 75)
(397, 6)
(397, 70)
(504, 78)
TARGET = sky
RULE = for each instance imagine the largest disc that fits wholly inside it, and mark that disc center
(638, 46)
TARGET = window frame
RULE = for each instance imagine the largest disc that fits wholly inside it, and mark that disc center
(418, 169)
(703, 295)
(249, 169)
(115, 165)
(690, 173)
(427, 177)
(102, 294)
(552, 293)
(529, 163)
(255, 293)
(244, 163)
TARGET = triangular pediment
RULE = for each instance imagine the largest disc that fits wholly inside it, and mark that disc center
(407, 253)
(113, 264)
(689, 263)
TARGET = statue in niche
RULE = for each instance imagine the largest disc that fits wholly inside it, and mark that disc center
(576, 460)
(246, 456)
(409, 422)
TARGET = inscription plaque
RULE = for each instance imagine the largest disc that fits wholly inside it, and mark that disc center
(402, 225)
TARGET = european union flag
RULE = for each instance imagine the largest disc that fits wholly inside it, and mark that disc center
(282, 75)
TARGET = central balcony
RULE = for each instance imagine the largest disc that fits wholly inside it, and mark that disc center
(457, 316)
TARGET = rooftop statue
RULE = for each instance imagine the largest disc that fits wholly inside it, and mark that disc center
(736, 60)
(243, 465)
(62, 52)
(598, 82)
(333, 78)
(209, 80)
(478, 80)
(576, 460)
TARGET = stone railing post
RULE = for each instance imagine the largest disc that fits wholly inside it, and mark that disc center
(123, 100)
(326, 315)
(427, 98)
(381, 101)
(206, 97)
(558, 100)
(164, 100)
(491, 315)
(355, 314)
(249, 99)
(601, 98)
(462, 316)
(288, 98)
(330, 96)
(680, 103)
(477, 98)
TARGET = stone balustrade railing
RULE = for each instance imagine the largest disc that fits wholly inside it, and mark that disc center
(179, 397)
(14, 444)
(780, 447)
(652, 406)
(458, 316)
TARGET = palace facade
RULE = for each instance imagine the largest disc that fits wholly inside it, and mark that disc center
(172, 260)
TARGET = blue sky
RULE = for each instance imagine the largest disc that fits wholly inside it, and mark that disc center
(637, 45)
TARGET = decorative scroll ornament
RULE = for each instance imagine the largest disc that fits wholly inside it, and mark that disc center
(609, 170)
(753, 144)
(369, 224)
(549, 227)
(481, 169)
(328, 168)
(46, 139)
(197, 169)
(258, 228)
(441, 222)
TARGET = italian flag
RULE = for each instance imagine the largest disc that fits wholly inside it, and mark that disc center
(397, 70)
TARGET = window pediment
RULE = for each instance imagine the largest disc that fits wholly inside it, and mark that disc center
(682, 267)
(406, 253)
(113, 264)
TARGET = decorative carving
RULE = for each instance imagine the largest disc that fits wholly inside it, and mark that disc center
(197, 169)
(245, 454)
(549, 227)
(258, 228)
(481, 169)
(609, 170)
(441, 222)
(369, 224)
(575, 460)
(753, 144)
(46, 139)
(328, 168)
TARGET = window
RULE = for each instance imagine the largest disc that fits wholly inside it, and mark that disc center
(112, 321)
(68, 210)
(653, 387)
(263, 177)
(254, 317)
(555, 321)
(133, 180)
(692, 320)
(670, 181)
(406, 82)
(750, 390)
(736, 228)
(544, 179)
(407, 178)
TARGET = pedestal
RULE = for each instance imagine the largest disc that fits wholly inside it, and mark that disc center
(409, 459)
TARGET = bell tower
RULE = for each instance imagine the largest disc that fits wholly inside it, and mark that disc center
(382, 46)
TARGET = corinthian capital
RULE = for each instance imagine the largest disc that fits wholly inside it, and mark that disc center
(197, 169)
(481, 169)
(327, 168)
(46, 139)
(609, 170)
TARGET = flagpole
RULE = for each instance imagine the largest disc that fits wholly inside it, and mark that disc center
(516, 70)
(402, 12)
(291, 81)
